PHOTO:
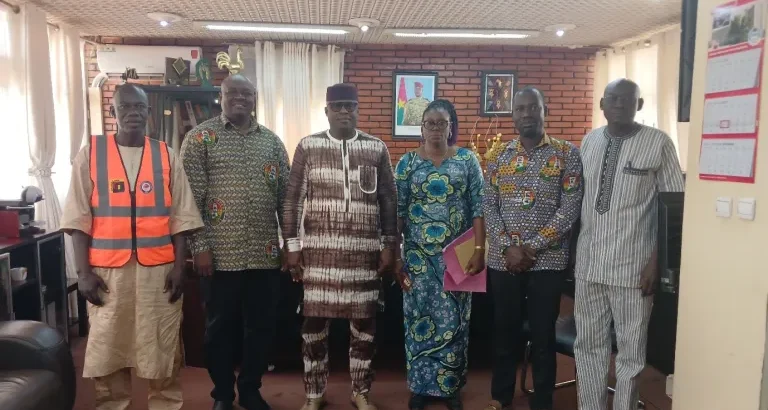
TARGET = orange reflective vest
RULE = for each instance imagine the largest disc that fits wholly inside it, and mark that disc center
(123, 221)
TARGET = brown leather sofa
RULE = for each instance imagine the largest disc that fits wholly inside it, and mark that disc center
(36, 368)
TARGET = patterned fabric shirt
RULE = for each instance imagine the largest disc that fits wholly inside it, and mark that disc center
(238, 179)
(622, 179)
(533, 198)
(343, 192)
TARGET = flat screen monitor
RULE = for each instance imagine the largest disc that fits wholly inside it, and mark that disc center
(670, 239)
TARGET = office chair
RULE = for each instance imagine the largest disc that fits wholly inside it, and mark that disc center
(565, 331)
(565, 327)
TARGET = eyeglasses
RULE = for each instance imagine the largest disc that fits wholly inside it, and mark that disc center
(337, 106)
(436, 126)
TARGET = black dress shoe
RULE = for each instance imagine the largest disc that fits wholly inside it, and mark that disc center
(454, 403)
(417, 402)
(223, 405)
(254, 402)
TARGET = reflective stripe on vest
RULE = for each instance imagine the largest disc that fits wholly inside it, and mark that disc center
(125, 221)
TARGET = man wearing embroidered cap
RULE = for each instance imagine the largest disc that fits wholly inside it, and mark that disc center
(415, 107)
(128, 209)
(342, 182)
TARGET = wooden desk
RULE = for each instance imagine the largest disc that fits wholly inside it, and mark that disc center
(43, 295)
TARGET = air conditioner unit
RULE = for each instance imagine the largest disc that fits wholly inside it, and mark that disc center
(147, 60)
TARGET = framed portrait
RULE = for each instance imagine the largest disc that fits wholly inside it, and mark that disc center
(414, 90)
(6, 290)
(498, 90)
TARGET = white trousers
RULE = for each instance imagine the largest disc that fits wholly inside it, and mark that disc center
(596, 305)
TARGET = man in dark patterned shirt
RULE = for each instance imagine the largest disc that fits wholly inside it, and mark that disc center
(238, 171)
(532, 199)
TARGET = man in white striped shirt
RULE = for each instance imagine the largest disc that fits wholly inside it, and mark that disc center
(625, 165)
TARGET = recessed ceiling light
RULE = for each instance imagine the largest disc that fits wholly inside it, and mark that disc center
(275, 28)
(560, 29)
(364, 24)
(463, 33)
(165, 19)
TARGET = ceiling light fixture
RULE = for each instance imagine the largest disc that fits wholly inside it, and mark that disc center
(469, 34)
(165, 19)
(364, 24)
(559, 29)
(275, 28)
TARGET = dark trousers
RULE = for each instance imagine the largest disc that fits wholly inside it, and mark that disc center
(535, 297)
(240, 311)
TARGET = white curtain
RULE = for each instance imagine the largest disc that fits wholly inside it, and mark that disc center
(14, 151)
(291, 79)
(654, 67)
(297, 94)
(42, 107)
(68, 100)
(327, 69)
(41, 121)
(68, 81)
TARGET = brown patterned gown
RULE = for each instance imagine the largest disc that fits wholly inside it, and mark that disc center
(345, 191)
(350, 214)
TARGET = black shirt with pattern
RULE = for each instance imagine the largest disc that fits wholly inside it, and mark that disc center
(238, 179)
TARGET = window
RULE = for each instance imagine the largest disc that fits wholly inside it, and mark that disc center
(14, 151)
(643, 69)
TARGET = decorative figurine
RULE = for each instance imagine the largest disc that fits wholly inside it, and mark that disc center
(129, 74)
(491, 145)
(203, 72)
(223, 60)
(176, 71)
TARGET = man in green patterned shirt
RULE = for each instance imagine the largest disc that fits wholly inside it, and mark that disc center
(238, 171)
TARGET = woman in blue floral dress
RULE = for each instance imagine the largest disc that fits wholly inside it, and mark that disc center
(439, 198)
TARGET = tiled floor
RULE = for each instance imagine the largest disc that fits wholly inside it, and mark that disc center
(284, 389)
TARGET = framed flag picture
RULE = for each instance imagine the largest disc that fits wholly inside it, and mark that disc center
(414, 90)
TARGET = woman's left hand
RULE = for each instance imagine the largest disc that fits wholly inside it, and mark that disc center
(476, 264)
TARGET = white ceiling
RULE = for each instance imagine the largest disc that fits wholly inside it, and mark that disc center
(598, 22)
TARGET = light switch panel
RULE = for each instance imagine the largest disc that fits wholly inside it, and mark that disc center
(723, 207)
(746, 209)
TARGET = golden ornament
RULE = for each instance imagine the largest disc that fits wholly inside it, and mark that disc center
(223, 60)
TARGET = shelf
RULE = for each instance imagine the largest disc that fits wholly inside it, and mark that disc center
(178, 109)
(179, 89)
(17, 286)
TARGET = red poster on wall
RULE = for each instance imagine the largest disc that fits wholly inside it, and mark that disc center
(732, 93)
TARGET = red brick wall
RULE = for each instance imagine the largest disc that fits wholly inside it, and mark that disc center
(565, 76)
